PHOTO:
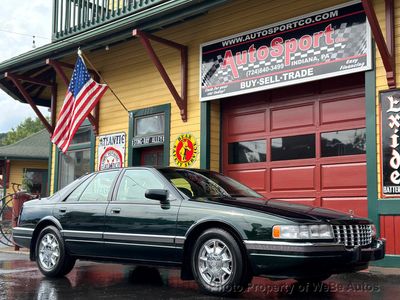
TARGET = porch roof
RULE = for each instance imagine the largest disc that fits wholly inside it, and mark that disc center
(35, 147)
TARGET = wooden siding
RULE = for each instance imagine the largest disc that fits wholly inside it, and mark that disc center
(136, 81)
(17, 170)
(381, 82)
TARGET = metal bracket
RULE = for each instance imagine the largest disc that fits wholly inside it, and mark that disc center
(386, 48)
(17, 79)
(58, 67)
(181, 100)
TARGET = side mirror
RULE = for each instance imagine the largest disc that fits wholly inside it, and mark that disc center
(157, 194)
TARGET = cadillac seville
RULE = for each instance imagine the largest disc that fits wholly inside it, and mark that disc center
(216, 230)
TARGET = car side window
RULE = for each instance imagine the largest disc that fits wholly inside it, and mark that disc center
(74, 196)
(99, 188)
(134, 184)
(183, 186)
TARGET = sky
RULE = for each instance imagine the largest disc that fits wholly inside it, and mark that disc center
(31, 17)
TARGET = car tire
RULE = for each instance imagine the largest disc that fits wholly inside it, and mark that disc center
(218, 265)
(51, 256)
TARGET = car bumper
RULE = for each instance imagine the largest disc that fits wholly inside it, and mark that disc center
(287, 259)
(22, 236)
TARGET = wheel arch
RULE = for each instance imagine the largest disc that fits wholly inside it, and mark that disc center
(197, 229)
(43, 223)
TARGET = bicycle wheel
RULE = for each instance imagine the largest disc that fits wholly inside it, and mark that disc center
(6, 221)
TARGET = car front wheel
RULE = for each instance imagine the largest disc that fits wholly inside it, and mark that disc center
(51, 257)
(217, 263)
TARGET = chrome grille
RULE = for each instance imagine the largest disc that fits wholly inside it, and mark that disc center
(353, 235)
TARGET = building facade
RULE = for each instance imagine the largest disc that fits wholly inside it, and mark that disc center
(24, 165)
(284, 96)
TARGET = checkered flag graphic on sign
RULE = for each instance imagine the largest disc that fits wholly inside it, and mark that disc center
(349, 40)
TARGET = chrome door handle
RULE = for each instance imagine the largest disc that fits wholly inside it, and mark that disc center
(115, 210)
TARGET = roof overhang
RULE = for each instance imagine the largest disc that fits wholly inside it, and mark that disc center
(167, 14)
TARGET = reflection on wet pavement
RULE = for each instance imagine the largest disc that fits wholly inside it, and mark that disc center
(19, 279)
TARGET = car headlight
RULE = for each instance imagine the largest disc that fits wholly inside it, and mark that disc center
(373, 231)
(302, 232)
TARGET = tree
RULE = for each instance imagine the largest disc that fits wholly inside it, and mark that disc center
(2, 137)
(28, 127)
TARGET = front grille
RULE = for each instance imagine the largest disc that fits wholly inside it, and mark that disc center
(353, 235)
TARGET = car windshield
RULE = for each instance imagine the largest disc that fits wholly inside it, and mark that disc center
(206, 184)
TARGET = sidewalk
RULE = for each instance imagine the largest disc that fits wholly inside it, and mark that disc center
(5, 249)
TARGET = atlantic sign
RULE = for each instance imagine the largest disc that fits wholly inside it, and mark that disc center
(323, 44)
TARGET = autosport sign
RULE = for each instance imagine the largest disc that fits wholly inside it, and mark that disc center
(323, 44)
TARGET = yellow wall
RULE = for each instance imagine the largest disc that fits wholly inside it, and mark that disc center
(17, 170)
(381, 82)
(133, 77)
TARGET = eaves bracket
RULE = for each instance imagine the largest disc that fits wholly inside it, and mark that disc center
(17, 80)
(181, 100)
(386, 48)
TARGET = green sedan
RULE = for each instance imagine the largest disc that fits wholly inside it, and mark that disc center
(216, 230)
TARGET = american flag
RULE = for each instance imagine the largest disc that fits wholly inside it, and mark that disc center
(82, 96)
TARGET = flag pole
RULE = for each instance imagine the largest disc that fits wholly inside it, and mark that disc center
(84, 57)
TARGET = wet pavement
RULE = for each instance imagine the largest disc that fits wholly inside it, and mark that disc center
(20, 279)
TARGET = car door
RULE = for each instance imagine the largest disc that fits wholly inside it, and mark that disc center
(140, 228)
(82, 214)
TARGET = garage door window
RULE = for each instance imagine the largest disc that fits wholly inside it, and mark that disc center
(293, 147)
(247, 152)
(345, 142)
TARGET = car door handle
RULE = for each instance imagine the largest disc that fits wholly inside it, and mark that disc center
(62, 210)
(115, 210)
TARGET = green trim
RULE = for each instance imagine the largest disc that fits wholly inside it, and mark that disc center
(49, 165)
(91, 145)
(22, 158)
(116, 31)
(92, 152)
(390, 261)
(388, 207)
(56, 170)
(134, 153)
(370, 103)
(130, 139)
(205, 138)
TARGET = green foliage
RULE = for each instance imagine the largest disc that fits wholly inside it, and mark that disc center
(2, 137)
(28, 127)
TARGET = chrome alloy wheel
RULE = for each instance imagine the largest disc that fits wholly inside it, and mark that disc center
(215, 262)
(49, 251)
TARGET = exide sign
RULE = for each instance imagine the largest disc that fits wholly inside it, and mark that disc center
(323, 44)
(390, 139)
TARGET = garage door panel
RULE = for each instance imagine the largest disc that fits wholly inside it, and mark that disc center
(358, 205)
(256, 179)
(334, 174)
(342, 110)
(344, 176)
(289, 117)
(295, 178)
(247, 123)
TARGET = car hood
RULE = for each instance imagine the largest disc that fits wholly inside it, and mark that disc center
(297, 212)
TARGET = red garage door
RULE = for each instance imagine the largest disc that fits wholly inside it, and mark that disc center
(304, 144)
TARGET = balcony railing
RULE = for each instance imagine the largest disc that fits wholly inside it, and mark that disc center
(71, 17)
